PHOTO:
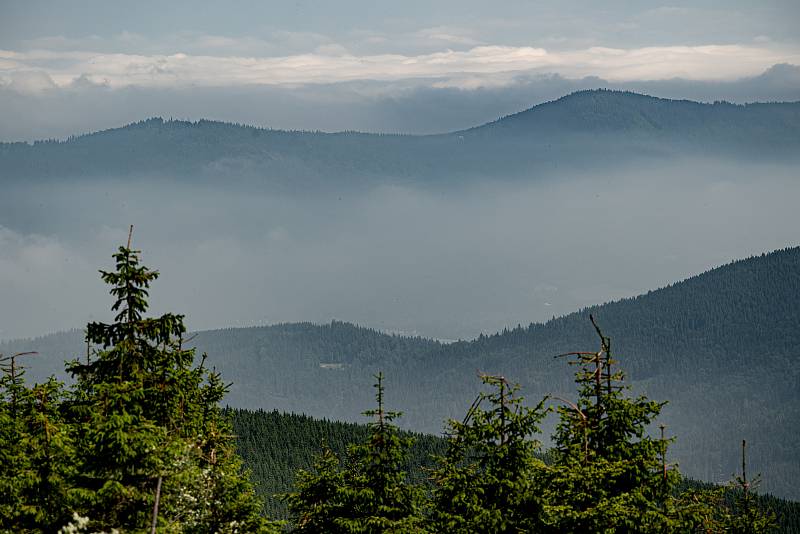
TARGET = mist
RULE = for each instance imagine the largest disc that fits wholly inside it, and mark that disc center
(406, 259)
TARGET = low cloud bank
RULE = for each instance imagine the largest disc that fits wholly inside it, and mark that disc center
(44, 110)
(403, 259)
(483, 65)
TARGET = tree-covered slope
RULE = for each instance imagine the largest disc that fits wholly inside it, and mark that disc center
(588, 129)
(602, 111)
(721, 347)
(275, 445)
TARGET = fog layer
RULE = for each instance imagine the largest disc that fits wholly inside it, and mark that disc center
(442, 264)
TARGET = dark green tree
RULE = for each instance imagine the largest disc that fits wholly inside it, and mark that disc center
(319, 502)
(148, 425)
(13, 462)
(608, 474)
(490, 480)
(370, 494)
(36, 454)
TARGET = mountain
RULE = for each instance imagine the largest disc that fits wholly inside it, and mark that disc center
(721, 347)
(587, 129)
(603, 111)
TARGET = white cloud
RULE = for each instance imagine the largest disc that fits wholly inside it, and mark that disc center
(490, 64)
(29, 82)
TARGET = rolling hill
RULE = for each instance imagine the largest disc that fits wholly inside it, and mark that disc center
(587, 129)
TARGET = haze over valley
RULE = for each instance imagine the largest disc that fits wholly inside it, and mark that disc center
(593, 197)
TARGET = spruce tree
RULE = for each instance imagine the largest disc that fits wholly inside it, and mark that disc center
(608, 474)
(370, 494)
(148, 423)
(745, 515)
(36, 454)
(489, 480)
(318, 502)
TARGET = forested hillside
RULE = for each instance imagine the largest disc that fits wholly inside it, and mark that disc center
(719, 346)
(559, 133)
(276, 445)
(606, 112)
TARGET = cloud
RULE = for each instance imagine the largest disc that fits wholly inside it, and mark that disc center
(332, 64)
(409, 106)
(270, 43)
(33, 82)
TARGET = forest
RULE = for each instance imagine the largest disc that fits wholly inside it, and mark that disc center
(586, 129)
(140, 442)
(726, 337)
(275, 446)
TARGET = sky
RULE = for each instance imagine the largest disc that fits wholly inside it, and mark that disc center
(413, 67)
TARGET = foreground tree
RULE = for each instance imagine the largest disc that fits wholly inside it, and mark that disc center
(36, 454)
(318, 502)
(608, 474)
(490, 480)
(151, 440)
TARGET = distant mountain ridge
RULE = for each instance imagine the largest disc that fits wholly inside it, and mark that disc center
(721, 347)
(603, 108)
(603, 126)
(606, 110)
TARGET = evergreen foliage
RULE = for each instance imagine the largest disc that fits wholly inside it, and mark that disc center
(746, 516)
(722, 338)
(317, 505)
(371, 494)
(36, 455)
(608, 474)
(490, 480)
(275, 446)
(139, 438)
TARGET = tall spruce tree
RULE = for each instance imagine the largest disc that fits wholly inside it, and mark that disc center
(489, 480)
(148, 425)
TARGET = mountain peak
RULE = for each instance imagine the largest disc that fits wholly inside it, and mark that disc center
(607, 110)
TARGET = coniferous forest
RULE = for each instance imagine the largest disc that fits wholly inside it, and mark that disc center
(139, 442)
(723, 338)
